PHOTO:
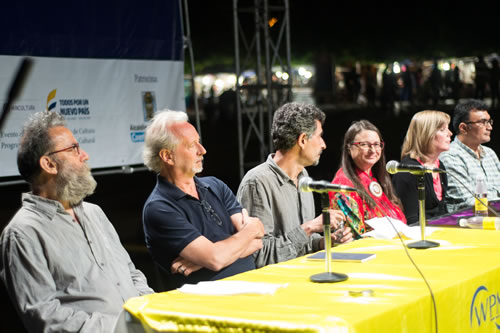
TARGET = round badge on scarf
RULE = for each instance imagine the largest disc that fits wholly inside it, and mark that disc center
(375, 189)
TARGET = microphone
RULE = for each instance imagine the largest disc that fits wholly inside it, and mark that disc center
(16, 87)
(306, 184)
(394, 167)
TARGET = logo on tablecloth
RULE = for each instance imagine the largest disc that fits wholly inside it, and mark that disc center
(485, 308)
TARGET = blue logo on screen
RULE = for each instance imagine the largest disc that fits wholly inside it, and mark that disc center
(485, 308)
(137, 136)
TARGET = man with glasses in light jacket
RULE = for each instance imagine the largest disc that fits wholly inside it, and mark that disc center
(195, 228)
(467, 158)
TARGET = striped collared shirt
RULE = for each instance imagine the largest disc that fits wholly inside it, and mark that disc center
(462, 162)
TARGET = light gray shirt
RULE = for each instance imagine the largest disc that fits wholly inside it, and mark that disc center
(268, 193)
(65, 276)
(461, 162)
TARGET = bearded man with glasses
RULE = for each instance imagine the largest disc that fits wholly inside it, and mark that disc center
(468, 158)
(62, 261)
(195, 229)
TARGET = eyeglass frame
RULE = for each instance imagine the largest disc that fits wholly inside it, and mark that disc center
(73, 147)
(482, 122)
(358, 144)
(209, 210)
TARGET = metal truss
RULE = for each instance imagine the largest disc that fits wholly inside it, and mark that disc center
(260, 47)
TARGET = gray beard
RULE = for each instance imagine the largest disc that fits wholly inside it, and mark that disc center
(74, 185)
(198, 170)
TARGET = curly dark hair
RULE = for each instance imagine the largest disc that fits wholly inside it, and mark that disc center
(291, 120)
(36, 142)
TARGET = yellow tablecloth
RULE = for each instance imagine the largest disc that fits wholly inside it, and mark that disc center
(464, 274)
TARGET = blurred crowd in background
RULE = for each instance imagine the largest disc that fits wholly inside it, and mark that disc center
(388, 86)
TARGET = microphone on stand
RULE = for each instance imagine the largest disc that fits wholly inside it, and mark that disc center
(306, 184)
(393, 167)
(419, 171)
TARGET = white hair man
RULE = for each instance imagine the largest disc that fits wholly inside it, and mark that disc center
(195, 229)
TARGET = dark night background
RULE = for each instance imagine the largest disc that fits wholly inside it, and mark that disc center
(349, 31)
(358, 30)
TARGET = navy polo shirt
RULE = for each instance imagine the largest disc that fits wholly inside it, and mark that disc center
(172, 219)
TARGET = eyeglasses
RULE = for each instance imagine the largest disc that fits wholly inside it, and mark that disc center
(368, 145)
(209, 210)
(482, 122)
(74, 147)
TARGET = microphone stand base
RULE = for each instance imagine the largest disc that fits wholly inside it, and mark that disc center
(422, 244)
(328, 277)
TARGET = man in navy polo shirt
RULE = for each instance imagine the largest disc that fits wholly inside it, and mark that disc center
(195, 229)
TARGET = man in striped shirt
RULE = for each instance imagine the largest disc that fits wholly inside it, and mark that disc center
(468, 159)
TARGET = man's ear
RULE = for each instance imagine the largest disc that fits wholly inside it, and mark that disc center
(166, 156)
(302, 140)
(462, 128)
(48, 165)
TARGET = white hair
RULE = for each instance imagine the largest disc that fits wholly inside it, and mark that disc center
(159, 137)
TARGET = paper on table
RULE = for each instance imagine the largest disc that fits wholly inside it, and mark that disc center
(382, 229)
(231, 288)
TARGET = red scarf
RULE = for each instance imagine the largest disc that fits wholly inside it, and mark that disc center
(383, 207)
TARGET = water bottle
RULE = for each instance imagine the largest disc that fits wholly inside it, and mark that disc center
(481, 192)
(480, 222)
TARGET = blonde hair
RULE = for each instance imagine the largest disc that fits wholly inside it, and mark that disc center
(421, 132)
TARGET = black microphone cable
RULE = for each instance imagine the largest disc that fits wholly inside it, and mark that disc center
(416, 267)
(490, 209)
(344, 210)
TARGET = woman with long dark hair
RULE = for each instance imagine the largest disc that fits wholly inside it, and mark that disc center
(363, 167)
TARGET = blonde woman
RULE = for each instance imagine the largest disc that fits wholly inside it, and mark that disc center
(427, 137)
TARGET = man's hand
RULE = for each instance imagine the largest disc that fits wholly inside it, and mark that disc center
(252, 224)
(343, 235)
(255, 245)
(316, 225)
(336, 218)
(183, 266)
